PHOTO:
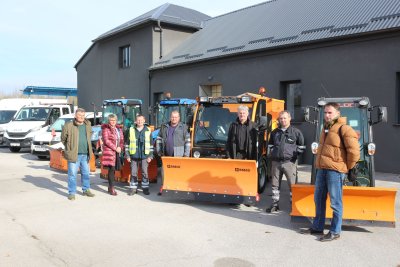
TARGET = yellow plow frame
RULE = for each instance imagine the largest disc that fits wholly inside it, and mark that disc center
(207, 179)
(372, 204)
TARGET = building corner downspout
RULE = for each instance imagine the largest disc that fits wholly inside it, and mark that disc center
(150, 106)
(160, 30)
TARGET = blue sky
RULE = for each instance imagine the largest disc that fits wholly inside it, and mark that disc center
(40, 41)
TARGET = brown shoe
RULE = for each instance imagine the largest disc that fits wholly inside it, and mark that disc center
(112, 191)
(88, 193)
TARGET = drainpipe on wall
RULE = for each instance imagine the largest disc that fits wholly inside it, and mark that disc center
(150, 105)
(160, 30)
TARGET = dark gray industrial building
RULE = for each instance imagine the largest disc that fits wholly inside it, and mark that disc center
(298, 50)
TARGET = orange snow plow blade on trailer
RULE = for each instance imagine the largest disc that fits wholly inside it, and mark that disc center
(224, 181)
(372, 204)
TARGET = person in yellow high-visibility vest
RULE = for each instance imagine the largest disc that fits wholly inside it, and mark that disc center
(139, 152)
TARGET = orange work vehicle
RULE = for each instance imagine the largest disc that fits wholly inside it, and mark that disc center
(362, 201)
(208, 175)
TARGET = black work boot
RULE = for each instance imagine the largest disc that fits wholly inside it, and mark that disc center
(132, 191)
(146, 191)
(274, 208)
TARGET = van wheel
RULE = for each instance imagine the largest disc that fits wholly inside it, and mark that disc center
(262, 178)
(15, 149)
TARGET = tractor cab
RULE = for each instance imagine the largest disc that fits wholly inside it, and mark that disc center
(360, 115)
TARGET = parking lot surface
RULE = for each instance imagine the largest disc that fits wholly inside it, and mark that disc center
(39, 226)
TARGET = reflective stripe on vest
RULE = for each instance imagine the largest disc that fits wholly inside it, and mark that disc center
(132, 142)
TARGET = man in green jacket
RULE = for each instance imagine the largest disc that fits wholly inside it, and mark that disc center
(76, 136)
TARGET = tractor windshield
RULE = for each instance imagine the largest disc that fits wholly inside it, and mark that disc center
(357, 118)
(212, 123)
(126, 117)
(164, 112)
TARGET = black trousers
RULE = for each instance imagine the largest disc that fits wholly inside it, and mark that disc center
(111, 175)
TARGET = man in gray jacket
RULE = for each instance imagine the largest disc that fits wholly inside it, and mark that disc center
(173, 140)
(75, 137)
(286, 144)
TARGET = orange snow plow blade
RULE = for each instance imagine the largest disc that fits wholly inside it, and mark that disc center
(124, 175)
(206, 179)
(58, 162)
(372, 204)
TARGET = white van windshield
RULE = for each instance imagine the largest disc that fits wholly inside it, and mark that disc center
(32, 114)
(6, 115)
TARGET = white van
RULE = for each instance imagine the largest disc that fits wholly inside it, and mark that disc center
(30, 119)
(51, 135)
(9, 107)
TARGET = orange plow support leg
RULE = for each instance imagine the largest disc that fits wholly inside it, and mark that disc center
(215, 180)
(371, 204)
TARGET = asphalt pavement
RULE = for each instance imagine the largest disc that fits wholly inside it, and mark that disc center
(39, 226)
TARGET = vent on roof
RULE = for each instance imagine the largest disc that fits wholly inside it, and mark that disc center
(284, 39)
(393, 16)
(233, 48)
(352, 27)
(194, 56)
(261, 40)
(180, 56)
(162, 62)
(317, 30)
(217, 48)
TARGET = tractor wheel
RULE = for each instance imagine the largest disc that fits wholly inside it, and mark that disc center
(262, 177)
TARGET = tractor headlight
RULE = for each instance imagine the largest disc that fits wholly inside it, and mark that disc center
(371, 149)
(203, 98)
(246, 99)
(322, 102)
(196, 154)
(314, 147)
(363, 102)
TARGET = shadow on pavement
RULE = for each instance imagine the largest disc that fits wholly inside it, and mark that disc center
(46, 183)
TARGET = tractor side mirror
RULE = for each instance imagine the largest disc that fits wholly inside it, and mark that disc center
(382, 114)
(126, 109)
(307, 114)
(263, 123)
(189, 120)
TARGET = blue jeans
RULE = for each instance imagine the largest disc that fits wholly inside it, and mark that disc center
(328, 181)
(73, 167)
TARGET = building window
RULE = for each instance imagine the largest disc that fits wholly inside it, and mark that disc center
(398, 97)
(291, 93)
(210, 90)
(125, 56)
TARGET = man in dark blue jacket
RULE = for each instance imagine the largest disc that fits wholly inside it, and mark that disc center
(284, 144)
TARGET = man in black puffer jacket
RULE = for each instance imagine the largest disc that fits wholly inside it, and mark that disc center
(241, 143)
(284, 143)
